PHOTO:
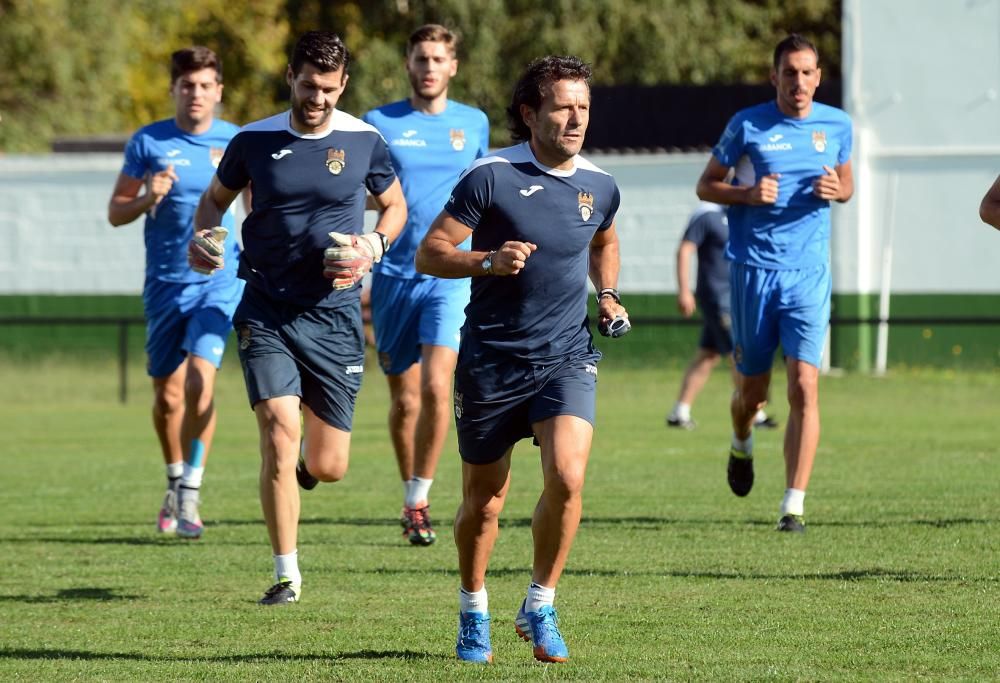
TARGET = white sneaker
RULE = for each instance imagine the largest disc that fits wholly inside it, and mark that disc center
(166, 521)
(188, 520)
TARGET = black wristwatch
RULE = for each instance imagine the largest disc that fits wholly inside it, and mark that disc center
(609, 291)
(488, 263)
(385, 241)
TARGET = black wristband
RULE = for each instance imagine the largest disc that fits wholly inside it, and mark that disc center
(609, 291)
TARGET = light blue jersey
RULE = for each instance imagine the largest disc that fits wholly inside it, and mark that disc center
(429, 153)
(169, 224)
(794, 232)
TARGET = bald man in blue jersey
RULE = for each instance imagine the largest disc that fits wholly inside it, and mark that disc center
(791, 158)
(301, 341)
(417, 318)
(168, 164)
(541, 219)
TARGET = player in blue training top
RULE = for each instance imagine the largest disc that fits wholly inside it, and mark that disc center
(706, 235)
(541, 220)
(417, 318)
(188, 314)
(301, 341)
(791, 158)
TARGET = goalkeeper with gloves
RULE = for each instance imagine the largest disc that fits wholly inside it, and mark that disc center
(299, 329)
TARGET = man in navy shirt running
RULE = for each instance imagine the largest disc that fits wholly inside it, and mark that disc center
(301, 342)
(541, 220)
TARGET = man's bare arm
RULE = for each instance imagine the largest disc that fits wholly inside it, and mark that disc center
(989, 209)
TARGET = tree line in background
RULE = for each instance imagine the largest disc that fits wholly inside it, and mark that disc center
(92, 67)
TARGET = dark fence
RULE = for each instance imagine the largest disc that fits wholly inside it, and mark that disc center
(123, 323)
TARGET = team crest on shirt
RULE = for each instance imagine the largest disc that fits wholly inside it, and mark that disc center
(336, 160)
(457, 139)
(819, 140)
(458, 405)
(586, 201)
(215, 154)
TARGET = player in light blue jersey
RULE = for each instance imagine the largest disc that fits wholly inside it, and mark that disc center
(541, 219)
(188, 313)
(417, 318)
(301, 337)
(791, 158)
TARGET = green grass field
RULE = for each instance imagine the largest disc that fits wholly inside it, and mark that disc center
(671, 577)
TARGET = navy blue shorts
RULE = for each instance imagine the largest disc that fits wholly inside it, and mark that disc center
(716, 330)
(497, 399)
(317, 354)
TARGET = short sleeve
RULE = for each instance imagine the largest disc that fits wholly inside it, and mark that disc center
(609, 217)
(380, 170)
(484, 138)
(471, 197)
(846, 143)
(729, 148)
(135, 158)
(232, 171)
(696, 228)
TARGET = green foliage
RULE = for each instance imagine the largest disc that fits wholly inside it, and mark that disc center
(89, 78)
(62, 71)
(671, 578)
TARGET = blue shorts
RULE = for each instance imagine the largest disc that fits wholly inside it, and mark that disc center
(498, 399)
(185, 318)
(408, 314)
(317, 354)
(790, 307)
(716, 329)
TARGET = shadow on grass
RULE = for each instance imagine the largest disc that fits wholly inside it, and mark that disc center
(374, 655)
(849, 575)
(632, 523)
(72, 595)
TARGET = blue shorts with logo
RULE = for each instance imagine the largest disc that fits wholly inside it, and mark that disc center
(498, 399)
(187, 318)
(772, 307)
(716, 329)
(317, 354)
(411, 313)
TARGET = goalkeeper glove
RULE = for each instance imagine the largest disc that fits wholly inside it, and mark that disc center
(205, 250)
(351, 257)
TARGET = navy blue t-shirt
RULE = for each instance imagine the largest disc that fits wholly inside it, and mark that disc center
(303, 187)
(708, 228)
(540, 314)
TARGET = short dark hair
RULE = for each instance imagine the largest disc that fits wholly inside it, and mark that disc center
(194, 58)
(433, 33)
(531, 87)
(793, 43)
(323, 49)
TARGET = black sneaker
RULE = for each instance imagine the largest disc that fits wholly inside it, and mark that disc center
(306, 480)
(739, 473)
(793, 523)
(681, 423)
(767, 423)
(282, 593)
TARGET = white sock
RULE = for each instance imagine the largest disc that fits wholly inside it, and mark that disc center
(473, 602)
(759, 417)
(417, 490)
(287, 567)
(191, 479)
(743, 445)
(793, 503)
(539, 596)
(682, 411)
(174, 471)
